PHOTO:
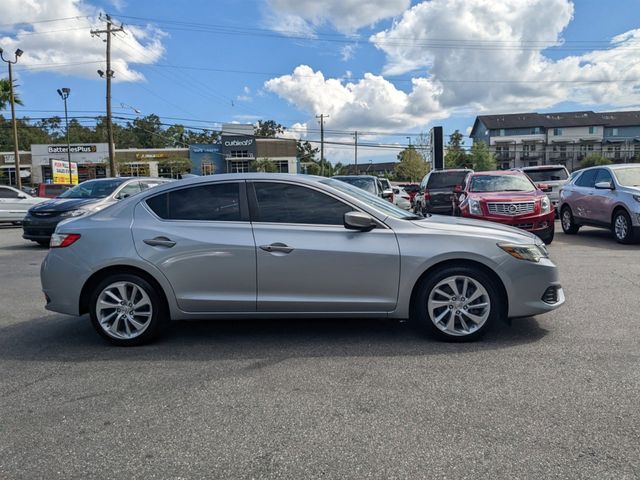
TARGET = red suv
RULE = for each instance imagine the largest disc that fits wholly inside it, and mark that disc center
(507, 197)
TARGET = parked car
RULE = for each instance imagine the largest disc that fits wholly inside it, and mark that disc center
(368, 183)
(508, 197)
(554, 176)
(436, 191)
(604, 196)
(15, 203)
(52, 190)
(40, 221)
(33, 192)
(246, 245)
(401, 198)
(387, 190)
(411, 189)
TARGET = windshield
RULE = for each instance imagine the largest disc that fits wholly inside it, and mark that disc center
(383, 205)
(446, 180)
(364, 183)
(628, 177)
(548, 174)
(501, 183)
(93, 189)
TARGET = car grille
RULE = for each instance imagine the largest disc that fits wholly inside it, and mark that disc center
(509, 208)
(44, 214)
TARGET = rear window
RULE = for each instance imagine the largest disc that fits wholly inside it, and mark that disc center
(54, 190)
(446, 179)
(548, 174)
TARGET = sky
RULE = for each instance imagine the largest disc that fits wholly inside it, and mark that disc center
(389, 69)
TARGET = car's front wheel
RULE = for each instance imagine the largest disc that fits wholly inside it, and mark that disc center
(127, 310)
(457, 303)
(547, 235)
(569, 225)
(622, 227)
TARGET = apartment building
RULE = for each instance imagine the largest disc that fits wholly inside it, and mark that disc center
(528, 139)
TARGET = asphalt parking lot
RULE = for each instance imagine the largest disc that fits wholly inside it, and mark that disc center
(554, 396)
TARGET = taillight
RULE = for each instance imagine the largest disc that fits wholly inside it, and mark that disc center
(62, 240)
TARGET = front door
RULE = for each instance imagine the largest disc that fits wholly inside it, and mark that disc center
(602, 201)
(308, 262)
(200, 238)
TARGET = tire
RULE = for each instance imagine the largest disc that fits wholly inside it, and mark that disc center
(622, 228)
(547, 235)
(567, 221)
(441, 311)
(136, 326)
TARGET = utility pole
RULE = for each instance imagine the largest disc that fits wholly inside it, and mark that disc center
(110, 30)
(356, 151)
(12, 99)
(322, 116)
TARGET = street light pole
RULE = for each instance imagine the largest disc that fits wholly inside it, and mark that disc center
(64, 94)
(12, 99)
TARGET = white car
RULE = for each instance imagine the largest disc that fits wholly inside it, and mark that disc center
(401, 198)
(14, 204)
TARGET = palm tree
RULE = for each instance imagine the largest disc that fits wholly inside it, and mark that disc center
(5, 94)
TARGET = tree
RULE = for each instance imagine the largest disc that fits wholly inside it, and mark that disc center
(176, 165)
(268, 128)
(481, 158)
(5, 94)
(594, 159)
(264, 165)
(456, 156)
(412, 166)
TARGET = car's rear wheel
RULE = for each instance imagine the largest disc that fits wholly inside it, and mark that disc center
(457, 303)
(569, 225)
(622, 227)
(126, 310)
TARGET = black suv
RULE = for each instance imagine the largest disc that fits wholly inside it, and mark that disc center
(435, 194)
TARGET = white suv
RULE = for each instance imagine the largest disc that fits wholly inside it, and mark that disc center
(554, 176)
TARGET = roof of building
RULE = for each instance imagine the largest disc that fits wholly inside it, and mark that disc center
(558, 119)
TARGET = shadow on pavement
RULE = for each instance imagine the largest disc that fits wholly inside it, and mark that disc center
(72, 339)
(594, 238)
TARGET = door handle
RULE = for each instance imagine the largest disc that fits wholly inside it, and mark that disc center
(277, 247)
(160, 242)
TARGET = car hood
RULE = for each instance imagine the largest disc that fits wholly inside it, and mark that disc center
(504, 196)
(65, 204)
(479, 228)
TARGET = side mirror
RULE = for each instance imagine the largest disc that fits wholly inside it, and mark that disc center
(359, 221)
(544, 187)
(604, 186)
(457, 189)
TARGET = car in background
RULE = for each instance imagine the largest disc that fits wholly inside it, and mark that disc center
(52, 190)
(368, 183)
(246, 245)
(606, 196)
(401, 198)
(411, 189)
(435, 194)
(508, 197)
(554, 176)
(31, 191)
(14, 204)
(90, 196)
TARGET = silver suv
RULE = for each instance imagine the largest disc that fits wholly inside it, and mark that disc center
(604, 196)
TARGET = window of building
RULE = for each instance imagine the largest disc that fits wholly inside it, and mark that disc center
(592, 130)
(557, 131)
(206, 168)
(563, 151)
(614, 132)
(616, 151)
(535, 130)
(281, 203)
(216, 202)
(533, 163)
(238, 167)
(501, 133)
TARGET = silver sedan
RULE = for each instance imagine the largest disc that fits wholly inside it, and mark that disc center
(277, 245)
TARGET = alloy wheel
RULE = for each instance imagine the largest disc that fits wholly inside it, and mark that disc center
(621, 227)
(124, 310)
(566, 219)
(459, 305)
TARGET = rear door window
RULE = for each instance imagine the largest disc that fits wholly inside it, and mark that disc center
(446, 180)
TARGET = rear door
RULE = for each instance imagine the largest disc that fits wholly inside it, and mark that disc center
(308, 262)
(200, 237)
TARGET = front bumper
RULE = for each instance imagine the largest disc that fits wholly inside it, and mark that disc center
(531, 223)
(39, 228)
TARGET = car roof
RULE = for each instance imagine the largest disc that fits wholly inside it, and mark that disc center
(499, 172)
(541, 167)
(345, 176)
(453, 170)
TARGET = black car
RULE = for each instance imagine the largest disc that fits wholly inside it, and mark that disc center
(436, 191)
(88, 197)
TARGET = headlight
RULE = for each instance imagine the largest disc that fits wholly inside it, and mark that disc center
(474, 207)
(73, 213)
(532, 253)
(545, 205)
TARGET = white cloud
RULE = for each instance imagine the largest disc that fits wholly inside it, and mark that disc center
(346, 16)
(348, 51)
(502, 66)
(370, 103)
(46, 43)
